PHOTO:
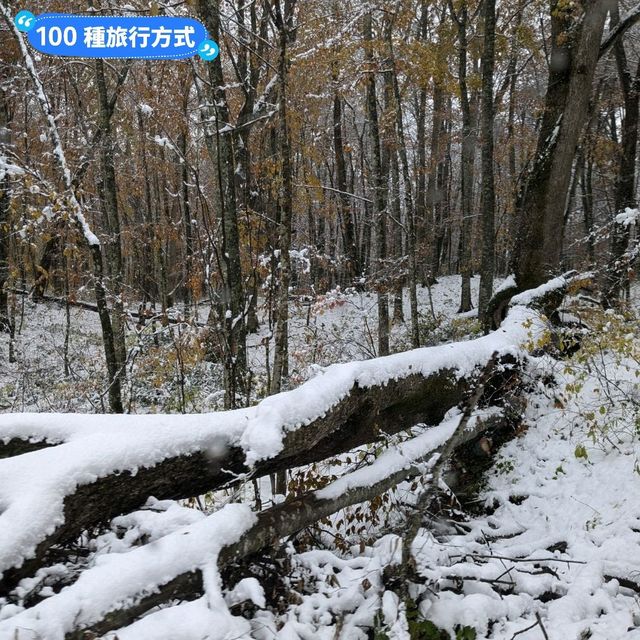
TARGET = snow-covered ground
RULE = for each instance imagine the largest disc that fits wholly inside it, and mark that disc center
(550, 551)
(334, 328)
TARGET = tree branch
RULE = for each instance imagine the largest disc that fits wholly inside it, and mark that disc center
(628, 21)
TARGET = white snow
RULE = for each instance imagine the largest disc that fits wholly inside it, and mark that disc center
(628, 217)
(589, 504)
(33, 486)
(505, 562)
(403, 456)
(528, 297)
(8, 168)
(121, 576)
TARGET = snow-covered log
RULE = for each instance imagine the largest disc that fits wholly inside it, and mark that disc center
(98, 467)
(113, 595)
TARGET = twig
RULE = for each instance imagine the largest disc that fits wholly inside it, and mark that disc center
(519, 633)
(544, 631)
(492, 557)
(438, 468)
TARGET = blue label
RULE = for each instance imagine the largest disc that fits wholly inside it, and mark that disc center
(150, 37)
(25, 21)
(208, 50)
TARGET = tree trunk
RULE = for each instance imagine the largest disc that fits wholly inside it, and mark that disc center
(113, 250)
(586, 192)
(380, 184)
(435, 188)
(409, 212)
(389, 141)
(575, 48)
(487, 268)
(233, 307)
(287, 519)
(420, 219)
(5, 221)
(188, 269)
(352, 267)
(284, 24)
(467, 162)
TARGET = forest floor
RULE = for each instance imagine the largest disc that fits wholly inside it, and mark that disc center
(167, 369)
(549, 549)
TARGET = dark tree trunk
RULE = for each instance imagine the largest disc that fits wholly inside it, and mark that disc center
(284, 23)
(232, 309)
(352, 267)
(113, 249)
(487, 267)
(435, 188)
(148, 267)
(586, 192)
(409, 212)
(421, 181)
(389, 141)
(380, 184)
(5, 221)
(188, 268)
(467, 162)
(575, 47)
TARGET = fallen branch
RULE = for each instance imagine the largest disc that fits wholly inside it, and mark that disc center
(130, 599)
(144, 316)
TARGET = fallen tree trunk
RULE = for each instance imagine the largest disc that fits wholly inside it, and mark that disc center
(362, 417)
(111, 465)
(424, 454)
(143, 317)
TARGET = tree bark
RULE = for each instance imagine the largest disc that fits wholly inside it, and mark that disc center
(5, 220)
(188, 272)
(107, 190)
(352, 267)
(435, 187)
(284, 23)
(232, 307)
(575, 48)
(380, 184)
(359, 418)
(586, 192)
(409, 211)
(467, 161)
(487, 267)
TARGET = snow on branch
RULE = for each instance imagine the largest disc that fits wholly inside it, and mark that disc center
(113, 584)
(107, 465)
(91, 469)
(76, 209)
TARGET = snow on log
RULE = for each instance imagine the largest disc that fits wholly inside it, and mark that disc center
(117, 591)
(101, 466)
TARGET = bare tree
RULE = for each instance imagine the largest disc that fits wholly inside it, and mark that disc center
(380, 182)
(282, 15)
(5, 221)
